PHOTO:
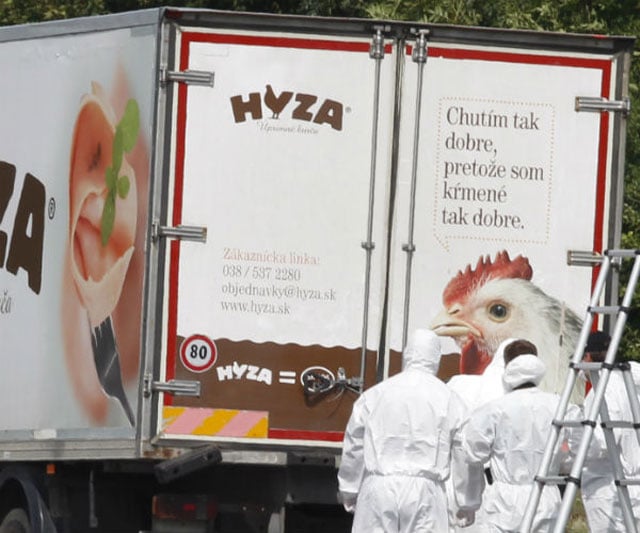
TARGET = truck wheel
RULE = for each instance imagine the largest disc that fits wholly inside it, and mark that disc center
(16, 521)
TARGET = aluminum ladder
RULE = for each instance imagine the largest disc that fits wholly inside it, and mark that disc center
(598, 412)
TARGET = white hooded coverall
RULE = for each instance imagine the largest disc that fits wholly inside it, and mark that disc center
(599, 494)
(397, 447)
(476, 390)
(511, 433)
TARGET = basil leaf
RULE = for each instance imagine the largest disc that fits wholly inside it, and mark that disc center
(108, 218)
(129, 124)
(123, 186)
(110, 178)
(117, 150)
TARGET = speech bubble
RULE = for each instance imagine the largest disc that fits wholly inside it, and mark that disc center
(493, 171)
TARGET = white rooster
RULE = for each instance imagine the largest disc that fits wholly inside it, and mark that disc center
(496, 301)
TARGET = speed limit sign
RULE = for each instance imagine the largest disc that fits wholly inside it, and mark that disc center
(198, 353)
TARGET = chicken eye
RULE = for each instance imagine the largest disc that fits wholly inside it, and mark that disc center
(499, 312)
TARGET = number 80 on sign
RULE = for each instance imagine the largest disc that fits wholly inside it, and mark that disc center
(198, 353)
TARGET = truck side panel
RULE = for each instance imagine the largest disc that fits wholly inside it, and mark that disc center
(61, 277)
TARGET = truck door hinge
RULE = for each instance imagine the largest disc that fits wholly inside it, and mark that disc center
(183, 233)
(376, 50)
(190, 77)
(599, 104)
(175, 387)
(419, 54)
(583, 258)
(589, 259)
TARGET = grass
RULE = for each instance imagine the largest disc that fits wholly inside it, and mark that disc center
(577, 520)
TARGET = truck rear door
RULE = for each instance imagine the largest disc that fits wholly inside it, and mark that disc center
(282, 153)
(511, 151)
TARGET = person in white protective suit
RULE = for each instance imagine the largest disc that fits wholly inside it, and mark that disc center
(510, 433)
(599, 494)
(476, 390)
(397, 447)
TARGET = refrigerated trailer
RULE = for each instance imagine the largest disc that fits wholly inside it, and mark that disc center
(217, 229)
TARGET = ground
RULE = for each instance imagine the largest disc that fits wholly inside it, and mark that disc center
(578, 521)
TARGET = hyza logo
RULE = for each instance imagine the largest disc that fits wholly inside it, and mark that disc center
(298, 106)
(25, 247)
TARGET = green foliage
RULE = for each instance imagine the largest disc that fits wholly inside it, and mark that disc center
(24, 11)
(578, 519)
(124, 140)
(460, 12)
(336, 8)
(549, 15)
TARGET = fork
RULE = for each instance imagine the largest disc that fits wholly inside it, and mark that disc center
(107, 360)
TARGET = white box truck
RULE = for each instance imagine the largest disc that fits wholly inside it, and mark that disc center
(217, 229)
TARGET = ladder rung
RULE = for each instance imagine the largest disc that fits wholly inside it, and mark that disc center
(552, 480)
(567, 423)
(620, 424)
(586, 366)
(604, 309)
(622, 253)
(628, 481)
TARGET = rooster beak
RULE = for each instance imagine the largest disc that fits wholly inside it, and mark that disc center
(447, 324)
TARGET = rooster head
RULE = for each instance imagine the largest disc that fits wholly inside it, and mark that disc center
(479, 313)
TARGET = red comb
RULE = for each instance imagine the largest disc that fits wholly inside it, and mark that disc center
(502, 267)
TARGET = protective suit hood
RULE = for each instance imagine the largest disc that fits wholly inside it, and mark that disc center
(422, 352)
(526, 368)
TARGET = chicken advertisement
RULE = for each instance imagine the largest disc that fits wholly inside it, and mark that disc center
(511, 176)
(74, 179)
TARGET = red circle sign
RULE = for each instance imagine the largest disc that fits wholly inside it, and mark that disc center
(198, 353)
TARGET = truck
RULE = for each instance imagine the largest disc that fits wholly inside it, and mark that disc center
(217, 229)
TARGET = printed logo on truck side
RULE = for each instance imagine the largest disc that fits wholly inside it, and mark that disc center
(25, 248)
(297, 106)
(238, 371)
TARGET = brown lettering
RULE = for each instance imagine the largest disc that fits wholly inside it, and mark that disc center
(252, 106)
(330, 112)
(305, 101)
(7, 181)
(27, 239)
(276, 103)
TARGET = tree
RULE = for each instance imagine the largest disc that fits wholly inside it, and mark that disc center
(24, 11)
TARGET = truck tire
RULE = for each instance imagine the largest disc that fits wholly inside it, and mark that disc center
(16, 521)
